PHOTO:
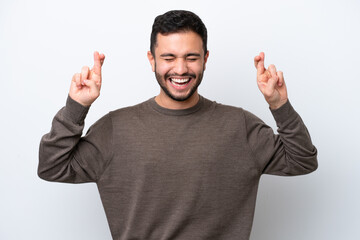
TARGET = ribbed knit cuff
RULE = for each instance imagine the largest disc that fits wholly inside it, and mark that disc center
(284, 113)
(74, 111)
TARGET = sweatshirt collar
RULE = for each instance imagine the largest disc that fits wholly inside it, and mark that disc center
(179, 112)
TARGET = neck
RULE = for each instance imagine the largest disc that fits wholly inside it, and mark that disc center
(166, 102)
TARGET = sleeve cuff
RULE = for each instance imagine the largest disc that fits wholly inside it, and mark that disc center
(75, 111)
(284, 113)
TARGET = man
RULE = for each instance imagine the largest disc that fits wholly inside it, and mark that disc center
(177, 166)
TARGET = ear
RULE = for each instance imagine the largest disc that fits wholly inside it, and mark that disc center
(151, 60)
(205, 59)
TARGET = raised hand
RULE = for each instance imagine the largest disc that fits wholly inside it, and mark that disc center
(271, 83)
(85, 86)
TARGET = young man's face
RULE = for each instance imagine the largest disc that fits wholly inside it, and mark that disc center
(179, 63)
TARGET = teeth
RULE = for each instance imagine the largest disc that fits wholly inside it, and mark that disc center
(180, 80)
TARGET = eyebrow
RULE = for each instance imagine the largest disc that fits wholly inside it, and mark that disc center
(187, 55)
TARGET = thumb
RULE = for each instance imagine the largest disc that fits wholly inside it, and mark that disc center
(92, 85)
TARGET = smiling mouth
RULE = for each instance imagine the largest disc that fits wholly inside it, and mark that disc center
(180, 81)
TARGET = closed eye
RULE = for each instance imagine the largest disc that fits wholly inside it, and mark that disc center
(191, 57)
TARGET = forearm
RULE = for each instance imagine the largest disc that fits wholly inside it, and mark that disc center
(296, 153)
(290, 152)
(56, 154)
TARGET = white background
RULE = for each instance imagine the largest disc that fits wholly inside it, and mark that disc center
(315, 43)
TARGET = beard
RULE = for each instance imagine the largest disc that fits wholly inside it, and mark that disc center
(162, 82)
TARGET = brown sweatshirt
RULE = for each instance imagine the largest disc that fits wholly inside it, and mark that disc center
(164, 174)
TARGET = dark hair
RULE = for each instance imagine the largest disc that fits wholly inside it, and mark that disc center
(177, 21)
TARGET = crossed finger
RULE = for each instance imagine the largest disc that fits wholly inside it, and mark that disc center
(259, 63)
(98, 62)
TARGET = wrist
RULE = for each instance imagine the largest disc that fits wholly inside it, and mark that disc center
(277, 105)
(75, 111)
(84, 103)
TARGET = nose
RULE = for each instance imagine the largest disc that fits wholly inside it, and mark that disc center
(180, 67)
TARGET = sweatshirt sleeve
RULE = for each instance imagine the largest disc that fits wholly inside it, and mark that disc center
(65, 156)
(288, 153)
